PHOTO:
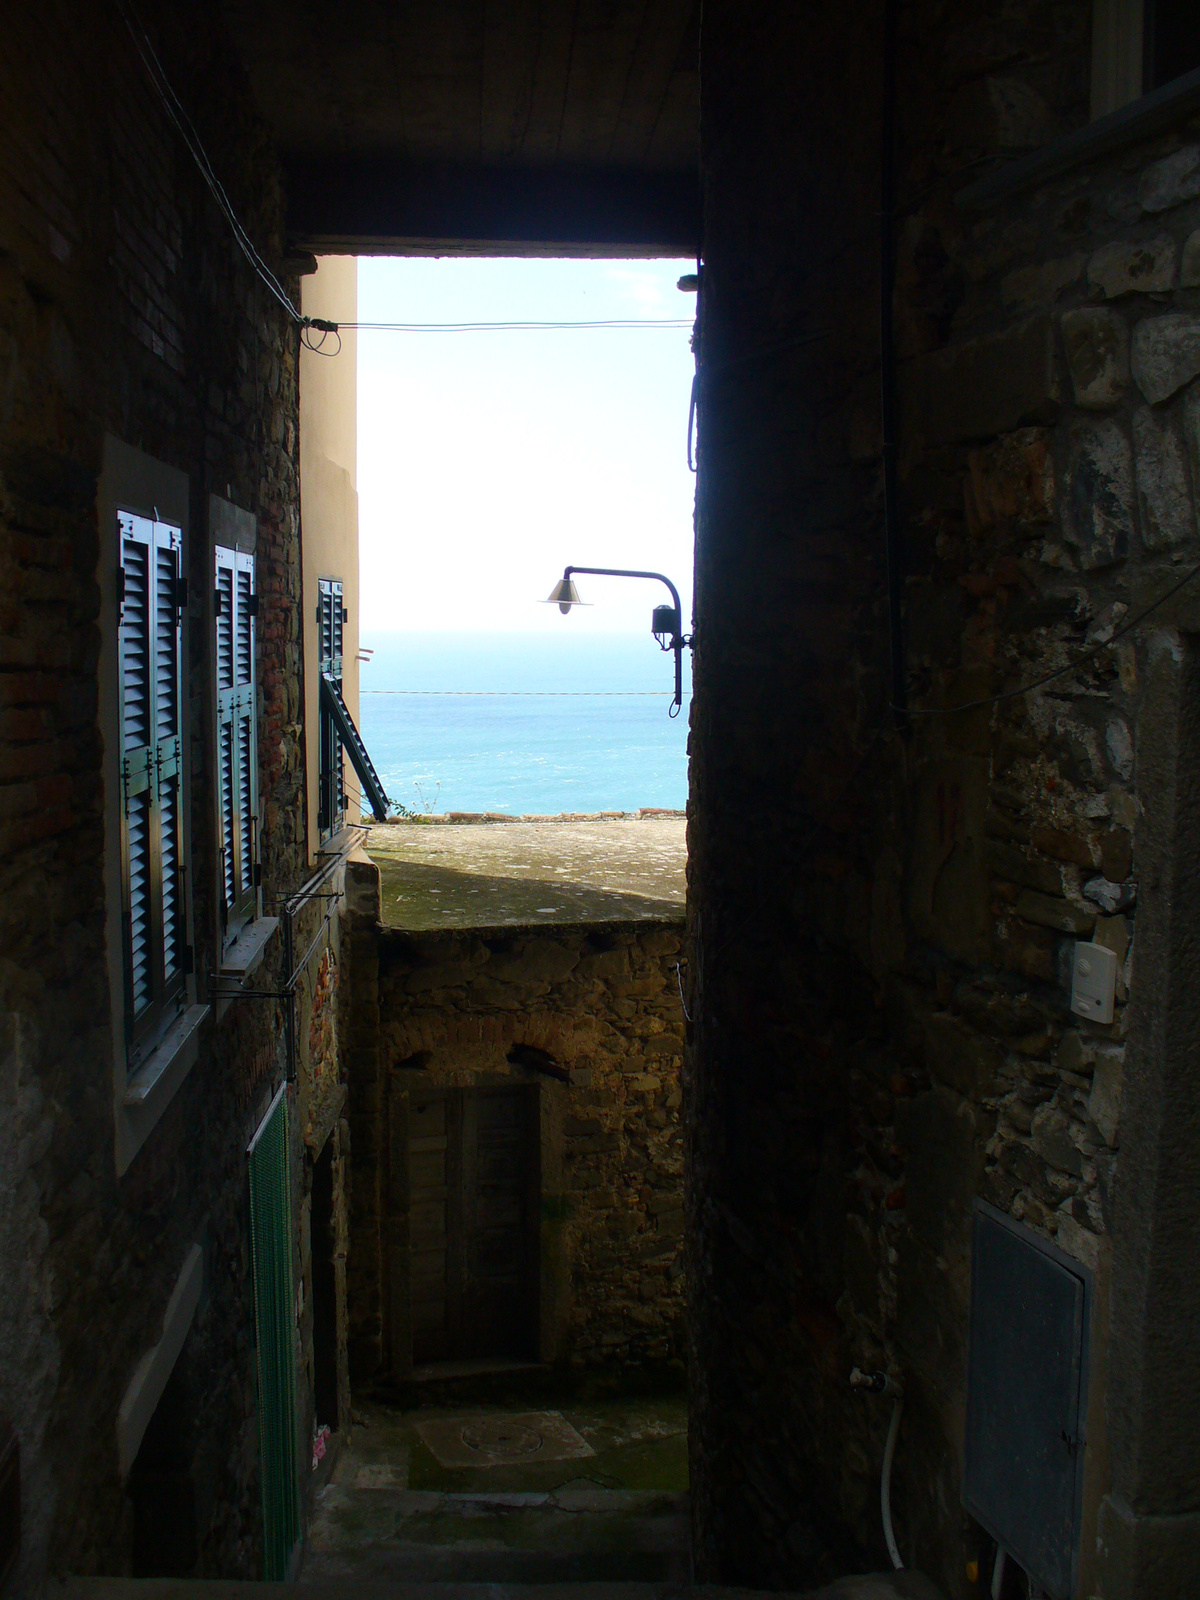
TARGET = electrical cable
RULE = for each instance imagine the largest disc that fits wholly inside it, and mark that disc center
(187, 132)
(186, 129)
(885, 1484)
(514, 694)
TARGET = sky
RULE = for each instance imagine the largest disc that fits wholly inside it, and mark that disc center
(488, 461)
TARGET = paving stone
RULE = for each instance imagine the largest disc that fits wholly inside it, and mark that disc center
(1165, 354)
(985, 387)
(1168, 517)
(1097, 345)
(1104, 1102)
(1134, 268)
(1109, 896)
(1099, 521)
(1031, 288)
(1049, 912)
(1171, 181)
(1118, 742)
(1051, 1133)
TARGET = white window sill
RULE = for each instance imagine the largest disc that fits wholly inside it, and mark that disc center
(156, 1080)
(247, 950)
(342, 843)
(243, 957)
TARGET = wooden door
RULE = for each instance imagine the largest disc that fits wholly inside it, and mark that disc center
(473, 1188)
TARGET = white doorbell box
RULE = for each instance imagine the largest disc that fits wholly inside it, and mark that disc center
(1094, 982)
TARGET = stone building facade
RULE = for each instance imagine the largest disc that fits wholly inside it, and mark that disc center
(587, 1022)
(893, 1039)
(145, 367)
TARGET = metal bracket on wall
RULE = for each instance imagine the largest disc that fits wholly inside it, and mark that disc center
(312, 892)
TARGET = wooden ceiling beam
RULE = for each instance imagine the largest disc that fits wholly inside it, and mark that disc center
(365, 205)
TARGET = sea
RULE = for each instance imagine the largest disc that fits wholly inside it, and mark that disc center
(524, 723)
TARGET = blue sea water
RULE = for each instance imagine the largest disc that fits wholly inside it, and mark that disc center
(570, 722)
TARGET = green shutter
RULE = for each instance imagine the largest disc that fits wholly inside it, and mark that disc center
(235, 605)
(331, 791)
(150, 653)
(274, 1324)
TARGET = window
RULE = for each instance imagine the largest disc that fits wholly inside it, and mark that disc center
(331, 786)
(1172, 41)
(1138, 46)
(235, 607)
(151, 597)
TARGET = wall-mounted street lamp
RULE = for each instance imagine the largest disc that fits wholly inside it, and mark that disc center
(665, 621)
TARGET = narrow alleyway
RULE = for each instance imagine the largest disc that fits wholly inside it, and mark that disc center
(594, 1491)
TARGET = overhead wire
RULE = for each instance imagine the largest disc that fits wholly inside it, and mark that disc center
(503, 327)
(187, 132)
(554, 694)
(316, 331)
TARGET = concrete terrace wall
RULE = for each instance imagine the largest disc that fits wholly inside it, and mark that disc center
(882, 963)
(601, 1001)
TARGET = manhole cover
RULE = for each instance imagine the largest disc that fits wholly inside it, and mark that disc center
(502, 1441)
(495, 1438)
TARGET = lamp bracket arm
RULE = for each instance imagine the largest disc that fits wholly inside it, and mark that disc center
(624, 572)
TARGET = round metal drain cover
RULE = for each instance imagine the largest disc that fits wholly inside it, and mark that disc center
(505, 1440)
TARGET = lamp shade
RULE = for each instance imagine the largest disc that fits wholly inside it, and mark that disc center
(564, 595)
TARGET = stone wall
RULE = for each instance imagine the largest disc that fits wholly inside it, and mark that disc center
(881, 966)
(592, 1016)
(127, 310)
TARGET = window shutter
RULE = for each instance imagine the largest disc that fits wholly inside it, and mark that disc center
(237, 746)
(151, 773)
(331, 786)
(136, 712)
(168, 744)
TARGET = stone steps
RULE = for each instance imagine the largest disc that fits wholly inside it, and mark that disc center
(866, 1586)
(564, 1536)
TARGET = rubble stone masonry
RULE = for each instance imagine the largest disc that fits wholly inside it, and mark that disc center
(598, 1008)
(882, 963)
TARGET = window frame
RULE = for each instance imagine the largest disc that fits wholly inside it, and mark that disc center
(132, 481)
(1123, 54)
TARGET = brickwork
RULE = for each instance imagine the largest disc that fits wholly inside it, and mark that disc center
(599, 1005)
(125, 308)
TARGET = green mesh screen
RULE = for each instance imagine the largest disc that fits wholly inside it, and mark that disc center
(271, 1243)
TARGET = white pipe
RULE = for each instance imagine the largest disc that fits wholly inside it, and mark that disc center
(998, 1571)
(885, 1484)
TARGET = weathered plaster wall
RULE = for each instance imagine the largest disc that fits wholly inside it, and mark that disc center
(881, 965)
(126, 310)
(329, 496)
(601, 1001)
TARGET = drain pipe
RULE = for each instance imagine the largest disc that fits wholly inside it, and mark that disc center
(880, 1383)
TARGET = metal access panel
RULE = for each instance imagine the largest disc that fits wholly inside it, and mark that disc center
(1027, 1397)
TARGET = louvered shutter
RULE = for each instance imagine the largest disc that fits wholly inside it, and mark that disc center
(235, 603)
(151, 774)
(331, 788)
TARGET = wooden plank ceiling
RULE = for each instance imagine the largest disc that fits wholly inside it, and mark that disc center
(426, 122)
